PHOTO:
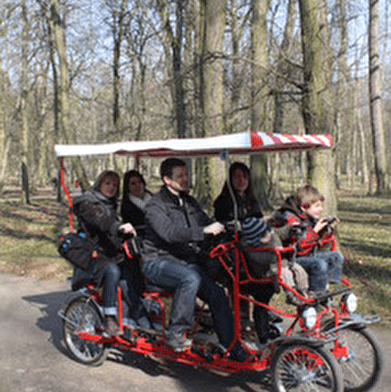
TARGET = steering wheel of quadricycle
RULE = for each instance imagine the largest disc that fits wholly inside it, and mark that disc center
(210, 243)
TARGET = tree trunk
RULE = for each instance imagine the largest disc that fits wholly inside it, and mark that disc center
(212, 83)
(321, 169)
(375, 99)
(25, 161)
(118, 20)
(58, 29)
(259, 95)
(173, 43)
(283, 68)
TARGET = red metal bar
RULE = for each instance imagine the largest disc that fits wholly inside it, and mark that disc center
(70, 216)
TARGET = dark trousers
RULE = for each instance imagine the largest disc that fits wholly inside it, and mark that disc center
(189, 281)
(129, 282)
(261, 293)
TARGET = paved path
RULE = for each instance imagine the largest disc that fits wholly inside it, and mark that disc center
(33, 359)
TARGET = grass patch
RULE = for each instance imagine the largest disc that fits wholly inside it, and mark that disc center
(29, 235)
(366, 244)
(29, 239)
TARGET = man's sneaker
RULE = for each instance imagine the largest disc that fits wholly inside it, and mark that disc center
(178, 342)
(111, 326)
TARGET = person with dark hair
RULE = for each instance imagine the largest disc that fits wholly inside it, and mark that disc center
(97, 218)
(247, 203)
(175, 225)
(257, 233)
(304, 209)
(134, 199)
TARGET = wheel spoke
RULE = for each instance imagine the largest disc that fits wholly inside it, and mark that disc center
(83, 316)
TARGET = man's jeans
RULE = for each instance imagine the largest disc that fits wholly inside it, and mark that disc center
(322, 268)
(189, 281)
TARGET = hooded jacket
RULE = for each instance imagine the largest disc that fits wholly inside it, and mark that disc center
(98, 219)
(291, 214)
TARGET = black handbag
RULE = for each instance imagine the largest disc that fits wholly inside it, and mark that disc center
(78, 249)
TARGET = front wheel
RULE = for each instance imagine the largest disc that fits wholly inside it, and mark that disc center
(82, 315)
(362, 361)
(303, 368)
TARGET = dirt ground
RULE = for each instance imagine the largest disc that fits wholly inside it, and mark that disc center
(39, 268)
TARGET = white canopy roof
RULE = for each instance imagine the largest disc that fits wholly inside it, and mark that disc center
(240, 143)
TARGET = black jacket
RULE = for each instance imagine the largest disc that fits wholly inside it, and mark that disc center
(174, 226)
(224, 208)
(98, 219)
(133, 214)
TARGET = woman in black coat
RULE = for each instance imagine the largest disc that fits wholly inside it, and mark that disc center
(97, 217)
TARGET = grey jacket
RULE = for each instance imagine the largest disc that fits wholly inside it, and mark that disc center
(174, 227)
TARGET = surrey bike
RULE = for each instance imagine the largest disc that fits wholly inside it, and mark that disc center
(328, 316)
(295, 362)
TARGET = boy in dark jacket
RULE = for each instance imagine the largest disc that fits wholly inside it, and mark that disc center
(304, 209)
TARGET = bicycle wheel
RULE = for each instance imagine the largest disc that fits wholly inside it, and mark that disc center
(364, 362)
(303, 368)
(82, 315)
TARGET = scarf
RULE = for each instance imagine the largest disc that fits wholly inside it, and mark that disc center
(139, 202)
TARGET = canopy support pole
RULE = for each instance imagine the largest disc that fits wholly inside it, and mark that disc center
(70, 215)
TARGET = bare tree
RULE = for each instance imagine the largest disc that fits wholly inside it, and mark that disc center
(117, 23)
(375, 99)
(173, 41)
(259, 95)
(57, 26)
(320, 166)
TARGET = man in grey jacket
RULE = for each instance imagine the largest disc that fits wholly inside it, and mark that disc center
(175, 224)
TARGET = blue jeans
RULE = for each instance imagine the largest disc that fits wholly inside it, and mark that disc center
(334, 262)
(134, 307)
(189, 281)
(110, 277)
(322, 268)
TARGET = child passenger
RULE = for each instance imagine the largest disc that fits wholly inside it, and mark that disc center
(304, 209)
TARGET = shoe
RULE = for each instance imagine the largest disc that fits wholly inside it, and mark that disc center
(146, 327)
(178, 342)
(237, 353)
(111, 326)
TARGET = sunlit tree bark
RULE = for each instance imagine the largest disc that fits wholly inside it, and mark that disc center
(320, 164)
(375, 99)
(259, 95)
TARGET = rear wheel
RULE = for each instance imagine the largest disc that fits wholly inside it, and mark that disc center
(364, 362)
(303, 368)
(82, 315)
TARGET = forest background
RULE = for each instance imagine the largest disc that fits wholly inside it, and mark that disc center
(93, 71)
